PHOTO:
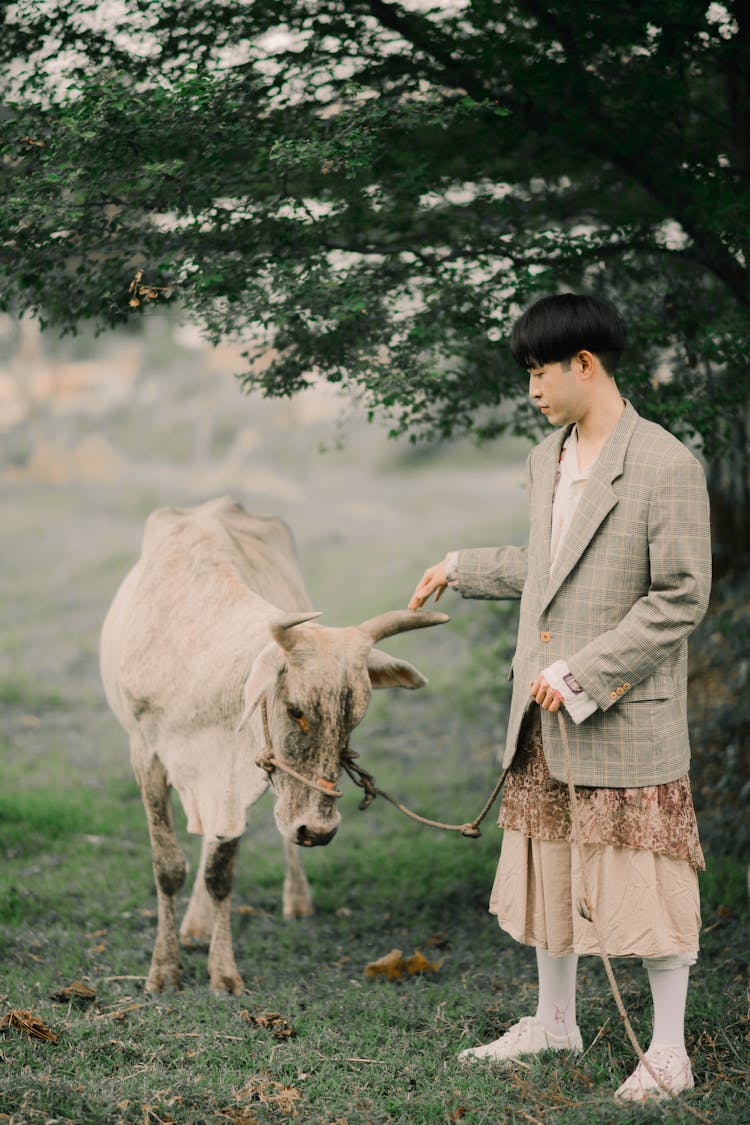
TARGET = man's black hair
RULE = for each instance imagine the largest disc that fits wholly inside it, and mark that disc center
(555, 328)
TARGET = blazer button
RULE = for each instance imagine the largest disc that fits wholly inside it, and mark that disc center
(619, 690)
(626, 686)
(545, 636)
(613, 695)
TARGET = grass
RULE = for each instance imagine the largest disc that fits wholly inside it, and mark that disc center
(18, 691)
(77, 902)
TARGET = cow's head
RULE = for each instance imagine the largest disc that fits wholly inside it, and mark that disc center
(317, 683)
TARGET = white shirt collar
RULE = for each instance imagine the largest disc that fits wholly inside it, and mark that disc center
(569, 465)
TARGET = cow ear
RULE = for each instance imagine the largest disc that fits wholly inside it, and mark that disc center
(386, 671)
(266, 669)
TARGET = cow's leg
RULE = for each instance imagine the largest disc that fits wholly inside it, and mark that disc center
(298, 901)
(198, 923)
(221, 856)
(169, 874)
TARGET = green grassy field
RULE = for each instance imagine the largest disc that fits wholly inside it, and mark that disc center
(77, 903)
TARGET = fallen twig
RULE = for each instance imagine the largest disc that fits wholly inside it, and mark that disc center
(128, 977)
(534, 1120)
(595, 1040)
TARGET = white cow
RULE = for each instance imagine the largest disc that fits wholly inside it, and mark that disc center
(212, 621)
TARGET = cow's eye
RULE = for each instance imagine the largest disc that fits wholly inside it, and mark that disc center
(294, 712)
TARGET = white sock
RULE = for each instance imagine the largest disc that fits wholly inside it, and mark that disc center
(669, 993)
(556, 1008)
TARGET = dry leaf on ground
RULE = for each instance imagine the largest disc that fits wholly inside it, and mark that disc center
(394, 966)
(239, 1115)
(267, 1091)
(77, 992)
(270, 1021)
(19, 1019)
(440, 940)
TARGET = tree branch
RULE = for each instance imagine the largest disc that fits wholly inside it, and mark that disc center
(418, 31)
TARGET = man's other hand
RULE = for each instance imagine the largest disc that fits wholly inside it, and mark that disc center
(546, 696)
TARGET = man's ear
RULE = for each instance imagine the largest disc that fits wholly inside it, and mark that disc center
(387, 672)
(266, 669)
(586, 362)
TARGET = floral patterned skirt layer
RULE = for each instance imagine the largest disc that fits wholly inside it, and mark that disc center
(641, 851)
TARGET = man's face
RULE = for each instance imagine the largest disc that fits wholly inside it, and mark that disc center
(556, 390)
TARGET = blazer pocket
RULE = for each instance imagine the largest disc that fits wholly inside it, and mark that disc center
(655, 687)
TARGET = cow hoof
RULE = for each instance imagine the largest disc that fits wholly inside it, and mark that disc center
(299, 908)
(158, 980)
(227, 984)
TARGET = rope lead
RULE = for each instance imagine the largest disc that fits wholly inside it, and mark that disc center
(366, 781)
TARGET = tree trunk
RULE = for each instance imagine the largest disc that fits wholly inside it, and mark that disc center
(728, 475)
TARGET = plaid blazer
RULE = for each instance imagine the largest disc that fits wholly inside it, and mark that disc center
(631, 582)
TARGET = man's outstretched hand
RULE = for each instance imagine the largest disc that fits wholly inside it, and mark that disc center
(433, 581)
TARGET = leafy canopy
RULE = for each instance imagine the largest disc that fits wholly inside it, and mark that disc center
(375, 190)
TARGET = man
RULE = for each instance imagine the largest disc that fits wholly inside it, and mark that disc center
(615, 577)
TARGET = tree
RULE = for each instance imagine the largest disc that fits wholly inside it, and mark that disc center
(375, 189)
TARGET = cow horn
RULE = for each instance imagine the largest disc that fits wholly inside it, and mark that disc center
(280, 629)
(400, 621)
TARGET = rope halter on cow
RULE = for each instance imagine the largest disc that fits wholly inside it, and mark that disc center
(269, 763)
(366, 781)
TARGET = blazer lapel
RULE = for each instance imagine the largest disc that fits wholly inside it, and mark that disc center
(598, 499)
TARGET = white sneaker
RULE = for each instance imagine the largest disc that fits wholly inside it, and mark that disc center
(527, 1037)
(672, 1067)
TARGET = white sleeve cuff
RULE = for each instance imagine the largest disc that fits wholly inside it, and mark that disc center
(578, 703)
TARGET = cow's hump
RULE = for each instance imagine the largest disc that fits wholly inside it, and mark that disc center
(210, 580)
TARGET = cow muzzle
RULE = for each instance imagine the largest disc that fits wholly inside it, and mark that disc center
(313, 838)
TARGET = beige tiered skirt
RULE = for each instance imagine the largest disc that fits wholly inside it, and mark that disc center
(641, 852)
(647, 905)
